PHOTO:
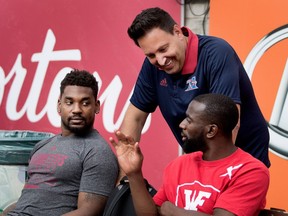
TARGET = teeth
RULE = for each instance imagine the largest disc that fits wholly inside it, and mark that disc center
(169, 63)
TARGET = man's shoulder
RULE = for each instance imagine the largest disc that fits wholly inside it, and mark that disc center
(251, 162)
(204, 39)
(96, 141)
(43, 142)
(94, 137)
(214, 45)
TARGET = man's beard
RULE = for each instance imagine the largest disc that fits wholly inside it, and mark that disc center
(194, 144)
(79, 131)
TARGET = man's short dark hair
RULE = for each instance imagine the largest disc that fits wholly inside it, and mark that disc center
(220, 110)
(149, 19)
(80, 78)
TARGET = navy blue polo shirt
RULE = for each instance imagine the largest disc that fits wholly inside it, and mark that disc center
(216, 69)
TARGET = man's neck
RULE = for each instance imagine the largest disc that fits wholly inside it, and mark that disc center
(219, 152)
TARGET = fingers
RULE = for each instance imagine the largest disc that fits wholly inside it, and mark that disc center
(112, 141)
(138, 148)
(130, 140)
(123, 138)
(120, 136)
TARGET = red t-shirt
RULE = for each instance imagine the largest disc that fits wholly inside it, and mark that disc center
(237, 183)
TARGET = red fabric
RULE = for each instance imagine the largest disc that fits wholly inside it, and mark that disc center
(191, 55)
(237, 183)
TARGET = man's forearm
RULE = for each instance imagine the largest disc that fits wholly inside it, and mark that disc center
(132, 128)
(133, 122)
(142, 200)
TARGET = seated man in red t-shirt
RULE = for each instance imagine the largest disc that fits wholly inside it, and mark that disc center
(214, 178)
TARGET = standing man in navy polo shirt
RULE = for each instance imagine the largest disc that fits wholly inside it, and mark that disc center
(180, 65)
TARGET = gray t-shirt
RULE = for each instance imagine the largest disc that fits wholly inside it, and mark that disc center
(61, 169)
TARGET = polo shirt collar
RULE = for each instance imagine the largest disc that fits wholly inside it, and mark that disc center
(191, 55)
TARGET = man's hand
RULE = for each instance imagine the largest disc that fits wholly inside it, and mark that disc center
(129, 155)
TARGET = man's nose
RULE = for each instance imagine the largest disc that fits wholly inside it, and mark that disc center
(161, 60)
(76, 108)
(182, 125)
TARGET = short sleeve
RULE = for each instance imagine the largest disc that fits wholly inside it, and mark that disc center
(160, 197)
(247, 191)
(100, 169)
(144, 95)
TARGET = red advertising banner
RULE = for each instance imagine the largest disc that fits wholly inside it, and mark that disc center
(258, 30)
(41, 41)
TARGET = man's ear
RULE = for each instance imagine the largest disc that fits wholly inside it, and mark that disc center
(177, 30)
(97, 106)
(212, 130)
(58, 105)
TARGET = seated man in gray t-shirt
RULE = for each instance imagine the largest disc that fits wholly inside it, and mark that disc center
(73, 172)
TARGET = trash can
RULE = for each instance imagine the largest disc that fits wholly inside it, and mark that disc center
(15, 148)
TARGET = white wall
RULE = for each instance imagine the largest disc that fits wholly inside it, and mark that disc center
(194, 16)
